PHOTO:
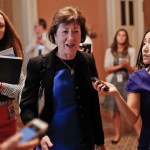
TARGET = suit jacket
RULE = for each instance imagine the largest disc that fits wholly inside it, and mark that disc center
(86, 96)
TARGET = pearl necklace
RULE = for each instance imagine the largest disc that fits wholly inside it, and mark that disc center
(71, 69)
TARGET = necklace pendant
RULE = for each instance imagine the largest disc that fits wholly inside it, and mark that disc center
(72, 72)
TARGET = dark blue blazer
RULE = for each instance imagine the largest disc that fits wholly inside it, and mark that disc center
(86, 97)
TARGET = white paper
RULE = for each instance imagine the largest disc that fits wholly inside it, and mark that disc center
(8, 52)
(119, 78)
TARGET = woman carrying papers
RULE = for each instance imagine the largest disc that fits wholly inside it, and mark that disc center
(8, 92)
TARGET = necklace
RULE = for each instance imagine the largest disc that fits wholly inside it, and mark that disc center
(71, 69)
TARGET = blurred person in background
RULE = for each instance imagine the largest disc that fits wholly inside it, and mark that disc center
(40, 43)
(87, 45)
(119, 63)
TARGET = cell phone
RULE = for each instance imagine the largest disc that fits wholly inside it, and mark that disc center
(86, 47)
(94, 79)
(34, 128)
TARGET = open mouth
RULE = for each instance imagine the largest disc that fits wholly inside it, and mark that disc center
(70, 45)
(145, 57)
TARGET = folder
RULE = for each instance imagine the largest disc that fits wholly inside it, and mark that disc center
(10, 69)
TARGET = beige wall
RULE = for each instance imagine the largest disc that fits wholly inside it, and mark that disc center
(6, 6)
(146, 9)
(95, 12)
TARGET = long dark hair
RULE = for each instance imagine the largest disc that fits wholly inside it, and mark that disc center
(114, 44)
(10, 38)
(139, 63)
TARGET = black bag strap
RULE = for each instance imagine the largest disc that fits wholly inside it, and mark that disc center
(42, 65)
(42, 70)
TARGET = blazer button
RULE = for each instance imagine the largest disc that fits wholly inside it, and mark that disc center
(80, 106)
(78, 97)
(76, 88)
(82, 116)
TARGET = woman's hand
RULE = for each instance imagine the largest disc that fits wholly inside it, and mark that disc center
(101, 88)
(46, 143)
(124, 63)
(12, 143)
(101, 147)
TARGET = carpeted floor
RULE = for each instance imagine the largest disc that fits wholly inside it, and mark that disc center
(128, 139)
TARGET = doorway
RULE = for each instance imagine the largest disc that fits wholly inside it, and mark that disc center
(126, 14)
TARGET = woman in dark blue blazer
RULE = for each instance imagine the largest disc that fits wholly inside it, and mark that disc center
(71, 103)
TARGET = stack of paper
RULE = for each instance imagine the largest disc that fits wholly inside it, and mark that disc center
(8, 52)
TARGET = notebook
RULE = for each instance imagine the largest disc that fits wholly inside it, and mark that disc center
(10, 69)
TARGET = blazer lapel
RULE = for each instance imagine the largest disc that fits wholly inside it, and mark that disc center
(48, 76)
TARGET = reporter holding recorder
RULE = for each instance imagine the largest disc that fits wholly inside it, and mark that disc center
(138, 99)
